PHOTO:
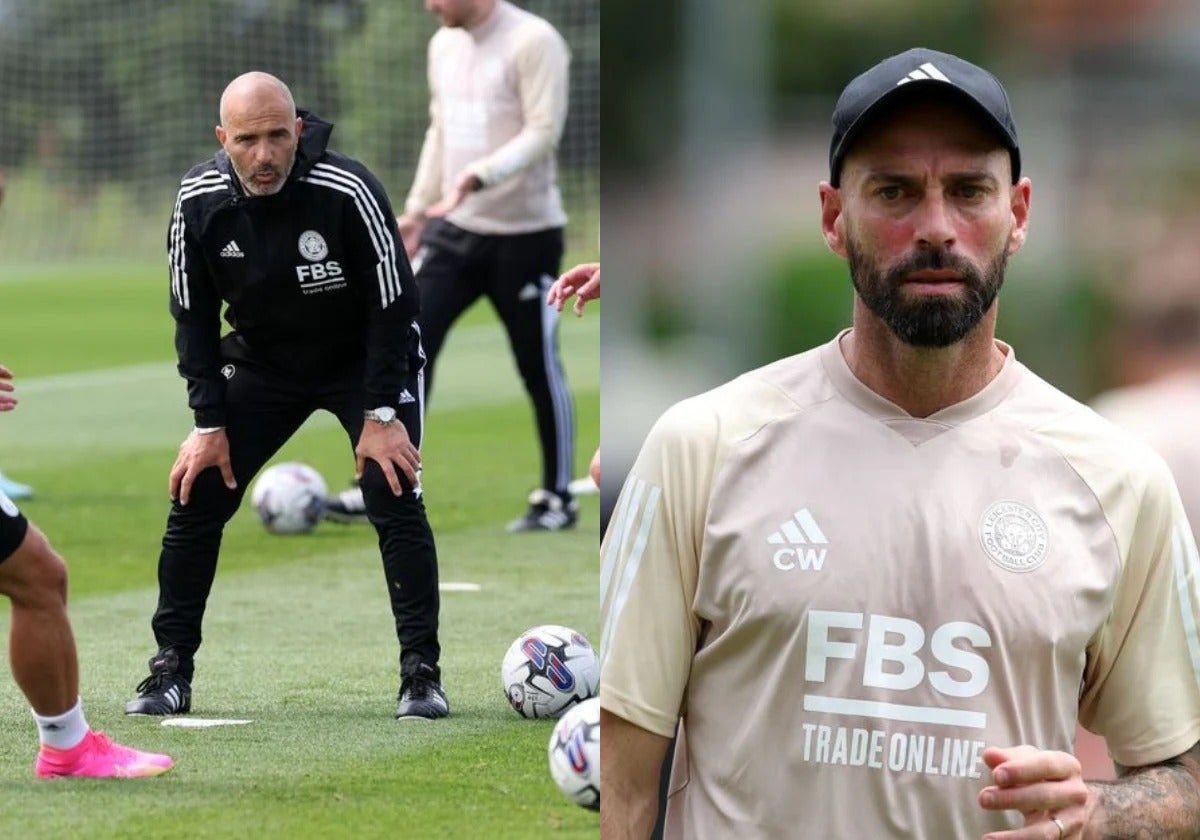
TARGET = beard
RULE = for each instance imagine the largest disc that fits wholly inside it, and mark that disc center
(256, 189)
(927, 320)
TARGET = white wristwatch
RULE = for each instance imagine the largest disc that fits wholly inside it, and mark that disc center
(384, 415)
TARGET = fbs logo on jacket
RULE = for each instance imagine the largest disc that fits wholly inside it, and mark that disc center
(319, 276)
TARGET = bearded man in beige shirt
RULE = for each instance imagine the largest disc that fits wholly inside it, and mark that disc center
(875, 586)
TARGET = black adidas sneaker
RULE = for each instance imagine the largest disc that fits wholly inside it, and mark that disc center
(164, 692)
(548, 511)
(421, 694)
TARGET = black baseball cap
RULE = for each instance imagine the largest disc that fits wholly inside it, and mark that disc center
(903, 75)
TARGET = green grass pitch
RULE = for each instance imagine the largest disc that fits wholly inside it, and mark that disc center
(298, 635)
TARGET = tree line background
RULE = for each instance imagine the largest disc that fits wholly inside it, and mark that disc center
(103, 105)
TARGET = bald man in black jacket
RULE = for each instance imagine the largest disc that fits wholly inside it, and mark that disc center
(300, 245)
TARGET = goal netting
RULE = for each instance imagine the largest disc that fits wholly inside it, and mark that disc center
(105, 103)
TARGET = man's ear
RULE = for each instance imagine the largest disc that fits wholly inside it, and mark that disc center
(1021, 193)
(832, 226)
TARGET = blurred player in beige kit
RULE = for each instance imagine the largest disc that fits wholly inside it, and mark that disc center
(484, 216)
(877, 583)
(1155, 351)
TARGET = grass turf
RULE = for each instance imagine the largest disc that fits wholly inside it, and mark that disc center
(298, 635)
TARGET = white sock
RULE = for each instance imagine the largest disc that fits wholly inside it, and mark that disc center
(62, 731)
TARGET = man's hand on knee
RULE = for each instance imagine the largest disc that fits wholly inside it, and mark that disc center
(199, 451)
(389, 446)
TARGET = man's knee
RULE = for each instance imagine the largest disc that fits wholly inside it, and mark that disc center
(211, 497)
(378, 495)
(35, 573)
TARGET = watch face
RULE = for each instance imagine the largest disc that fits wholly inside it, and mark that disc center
(386, 414)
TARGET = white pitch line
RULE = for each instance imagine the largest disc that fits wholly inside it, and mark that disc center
(459, 586)
(203, 723)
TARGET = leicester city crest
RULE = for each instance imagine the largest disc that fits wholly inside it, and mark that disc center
(312, 246)
(1014, 536)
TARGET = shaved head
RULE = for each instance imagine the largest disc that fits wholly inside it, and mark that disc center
(259, 131)
(253, 90)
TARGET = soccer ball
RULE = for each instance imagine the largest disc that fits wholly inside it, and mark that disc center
(574, 754)
(547, 669)
(289, 498)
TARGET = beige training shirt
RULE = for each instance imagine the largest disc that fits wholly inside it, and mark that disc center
(498, 102)
(845, 604)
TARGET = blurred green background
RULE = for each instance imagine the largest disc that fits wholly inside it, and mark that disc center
(714, 148)
(104, 104)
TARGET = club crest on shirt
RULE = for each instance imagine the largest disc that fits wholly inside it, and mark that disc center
(312, 246)
(1014, 536)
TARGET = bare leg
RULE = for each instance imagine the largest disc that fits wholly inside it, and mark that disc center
(41, 648)
(41, 644)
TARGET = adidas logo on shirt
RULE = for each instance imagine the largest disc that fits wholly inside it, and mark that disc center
(797, 536)
(232, 250)
(925, 71)
(528, 292)
(406, 397)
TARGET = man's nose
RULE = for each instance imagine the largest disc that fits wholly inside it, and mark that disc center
(934, 227)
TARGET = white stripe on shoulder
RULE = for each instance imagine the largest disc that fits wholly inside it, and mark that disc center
(200, 189)
(379, 227)
(376, 220)
(211, 174)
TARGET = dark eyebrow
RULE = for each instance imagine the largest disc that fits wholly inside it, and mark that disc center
(955, 178)
(890, 178)
(973, 177)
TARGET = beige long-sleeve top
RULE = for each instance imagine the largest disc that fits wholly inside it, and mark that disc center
(498, 103)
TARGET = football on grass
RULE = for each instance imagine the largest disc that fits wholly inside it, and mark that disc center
(574, 754)
(547, 669)
(289, 498)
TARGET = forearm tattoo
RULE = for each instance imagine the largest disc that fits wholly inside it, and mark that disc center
(1159, 801)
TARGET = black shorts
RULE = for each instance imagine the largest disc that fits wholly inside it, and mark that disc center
(13, 526)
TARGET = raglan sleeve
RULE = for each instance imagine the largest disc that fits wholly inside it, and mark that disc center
(195, 305)
(649, 572)
(381, 268)
(1141, 688)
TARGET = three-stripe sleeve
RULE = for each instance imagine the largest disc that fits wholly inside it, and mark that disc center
(1151, 637)
(177, 252)
(195, 305)
(649, 570)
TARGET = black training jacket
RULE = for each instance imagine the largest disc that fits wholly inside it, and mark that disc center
(314, 276)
